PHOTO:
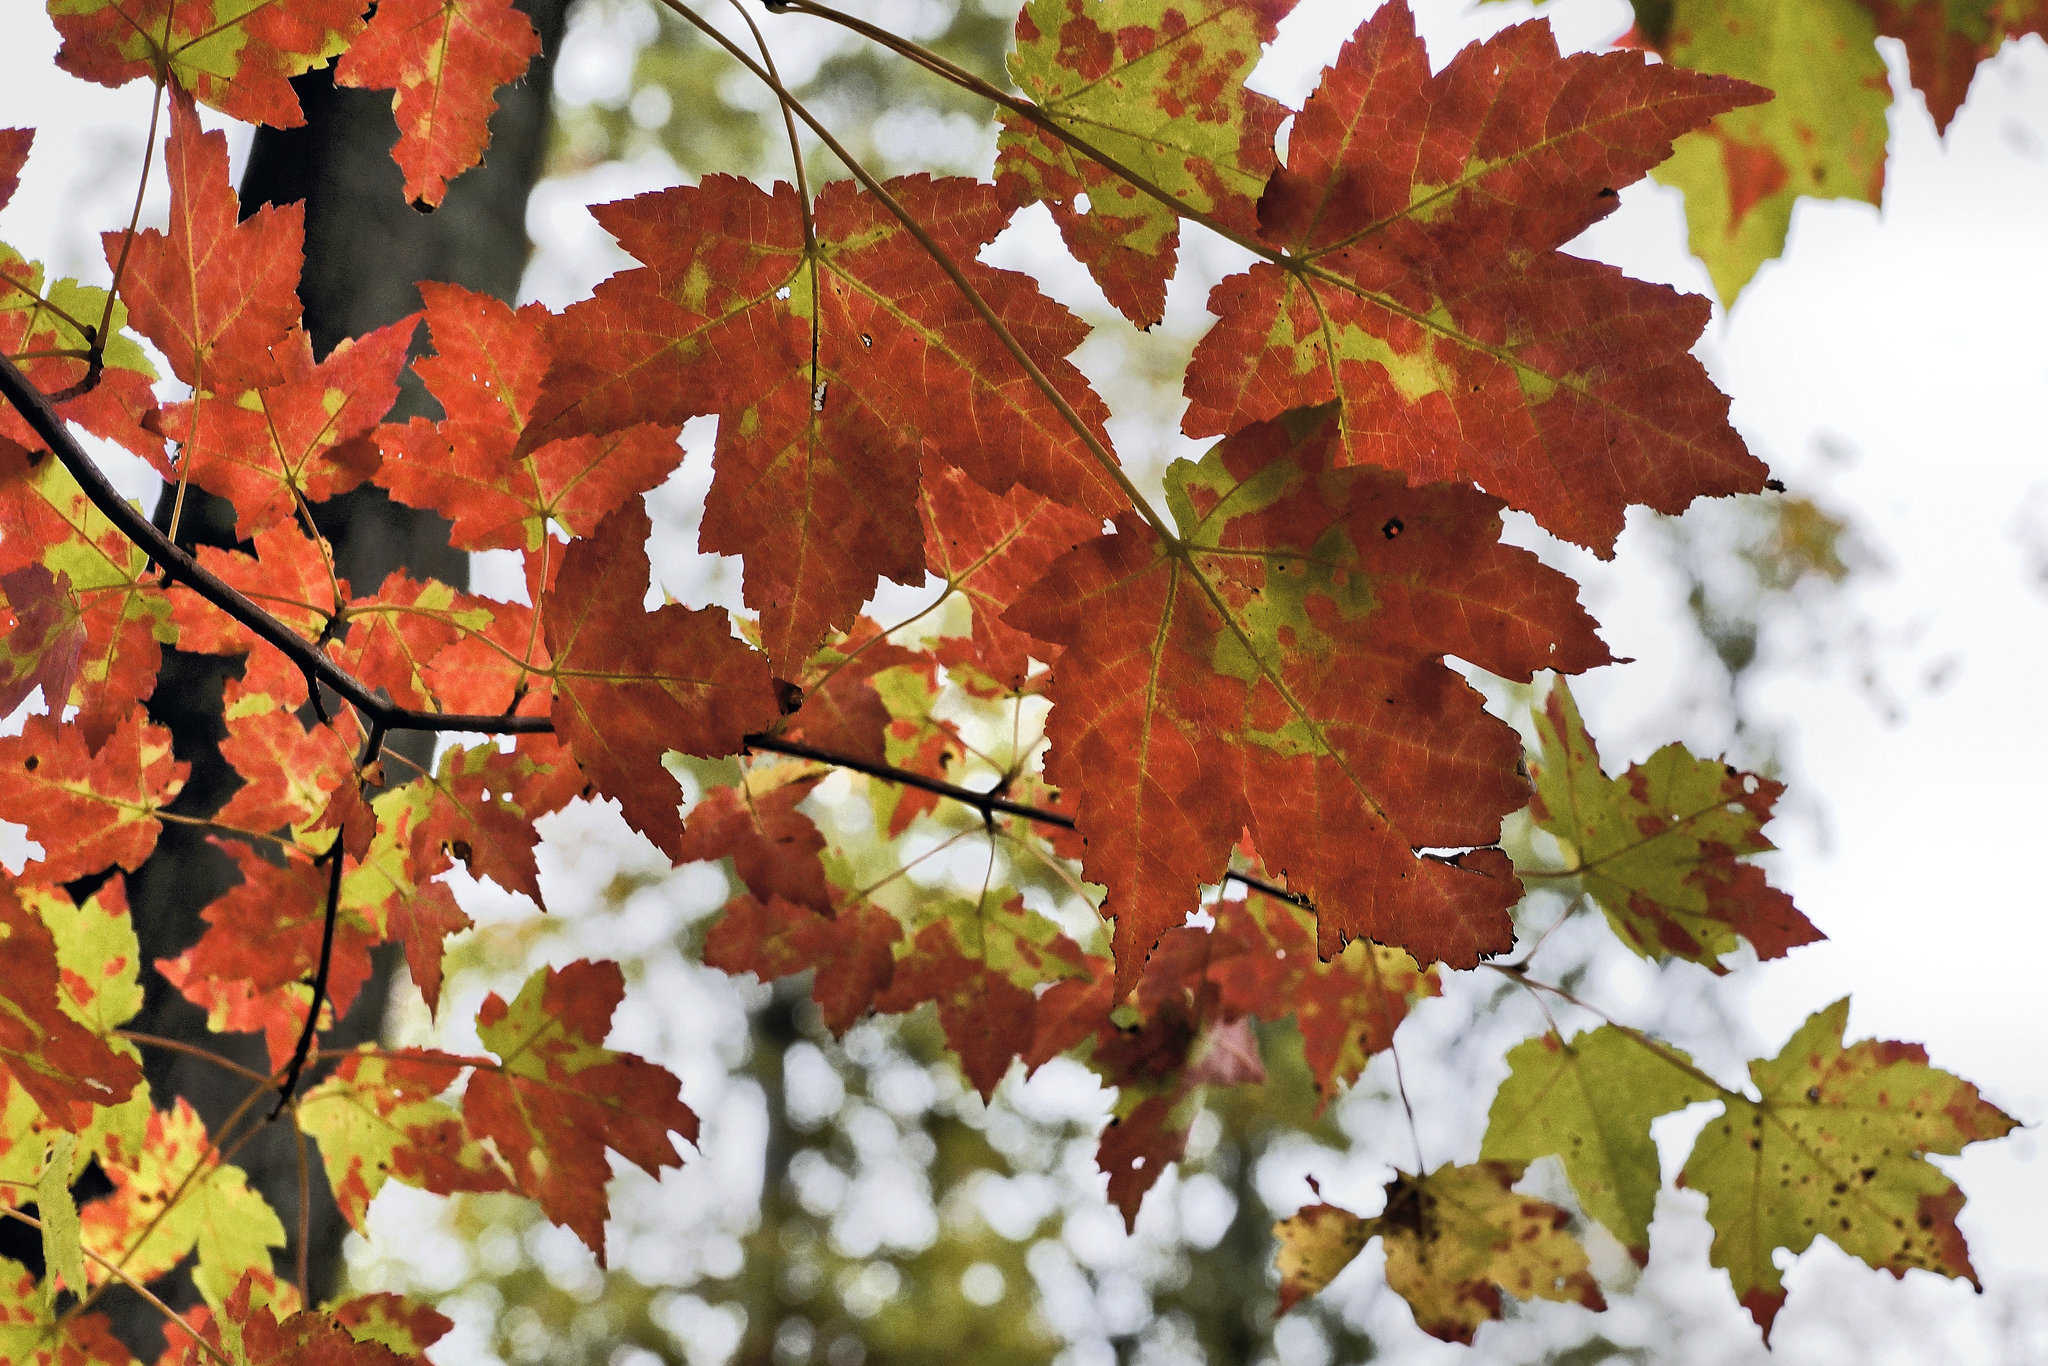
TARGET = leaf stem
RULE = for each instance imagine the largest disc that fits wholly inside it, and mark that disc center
(1642, 1040)
(170, 1315)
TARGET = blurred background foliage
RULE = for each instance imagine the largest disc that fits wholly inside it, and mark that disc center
(854, 1201)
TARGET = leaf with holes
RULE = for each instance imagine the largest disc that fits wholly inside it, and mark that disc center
(1279, 668)
(1161, 90)
(1836, 1146)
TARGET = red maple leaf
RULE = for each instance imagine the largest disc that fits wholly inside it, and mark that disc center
(1279, 668)
(300, 439)
(1264, 962)
(238, 58)
(88, 810)
(444, 58)
(991, 549)
(470, 466)
(214, 293)
(831, 371)
(63, 1066)
(250, 970)
(559, 1098)
(1424, 290)
(88, 588)
(773, 846)
(630, 685)
(14, 145)
(853, 952)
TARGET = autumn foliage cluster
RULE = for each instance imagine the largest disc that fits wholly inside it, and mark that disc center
(1242, 683)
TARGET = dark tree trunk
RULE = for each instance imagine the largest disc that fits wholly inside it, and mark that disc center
(366, 252)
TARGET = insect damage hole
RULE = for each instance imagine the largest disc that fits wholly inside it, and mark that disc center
(1392, 528)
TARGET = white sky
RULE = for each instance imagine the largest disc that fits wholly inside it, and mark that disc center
(1917, 341)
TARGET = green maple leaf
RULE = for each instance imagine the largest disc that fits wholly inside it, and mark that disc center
(1160, 88)
(1836, 1146)
(1659, 848)
(1590, 1102)
(1823, 137)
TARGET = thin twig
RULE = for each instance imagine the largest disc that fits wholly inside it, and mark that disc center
(194, 1051)
(170, 1315)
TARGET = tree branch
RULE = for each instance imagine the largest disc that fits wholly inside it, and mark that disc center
(42, 418)
(984, 802)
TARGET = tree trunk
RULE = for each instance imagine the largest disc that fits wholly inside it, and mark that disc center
(366, 252)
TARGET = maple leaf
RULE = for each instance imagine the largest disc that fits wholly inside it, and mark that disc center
(89, 811)
(1424, 289)
(14, 147)
(408, 639)
(290, 774)
(1278, 668)
(980, 961)
(1136, 1149)
(842, 708)
(252, 968)
(1264, 962)
(853, 951)
(48, 329)
(291, 576)
(1823, 136)
(236, 55)
(61, 1063)
(300, 439)
(831, 365)
(33, 1333)
(1160, 90)
(1657, 848)
(1835, 1146)
(630, 685)
(214, 293)
(559, 1098)
(95, 595)
(393, 890)
(246, 1329)
(991, 549)
(44, 635)
(379, 1117)
(1590, 1102)
(469, 467)
(405, 1326)
(481, 803)
(215, 1211)
(1947, 40)
(444, 58)
(774, 846)
(1455, 1239)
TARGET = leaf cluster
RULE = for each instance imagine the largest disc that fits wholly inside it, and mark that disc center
(1118, 706)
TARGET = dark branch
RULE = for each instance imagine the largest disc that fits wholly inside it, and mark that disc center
(34, 406)
(335, 859)
(984, 802)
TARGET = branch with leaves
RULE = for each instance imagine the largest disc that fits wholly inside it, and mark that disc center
(1128, 706)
